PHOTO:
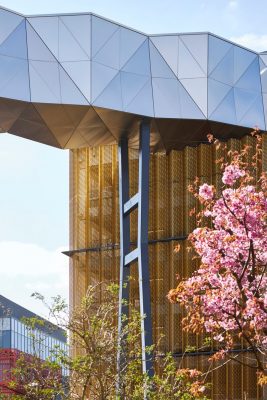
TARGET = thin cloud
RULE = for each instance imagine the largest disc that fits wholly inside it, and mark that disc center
(252, 41)
(27, 268)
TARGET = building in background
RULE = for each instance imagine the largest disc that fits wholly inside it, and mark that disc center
(16, 339)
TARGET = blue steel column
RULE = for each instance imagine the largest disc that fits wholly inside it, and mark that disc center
(142, 245)
(123, 159)
(140, 254)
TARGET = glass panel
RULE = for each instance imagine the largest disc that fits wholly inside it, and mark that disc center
(80, 28)
(9, 21)
(102, 30)
(130, 41)
(168, 47)
(189, 109)
(197, 89)
(218, 48)
(109, 54)
(131, 85)
(159, 67)
(14, 78)
(250, 80)
(6, 339)
(166, 98)
(242, 59)
(216, 92)
(47, 28)
(226, 110)
(69, 47)
(139, 63)
(198, 47)
(80, 73)
(224, 71)
(143, 102)
(101, 76)
(70, 94)
(16, 44)
(44, 79)
(111, 96)
(187, 65)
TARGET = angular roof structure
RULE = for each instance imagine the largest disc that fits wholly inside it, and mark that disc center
(78, 80)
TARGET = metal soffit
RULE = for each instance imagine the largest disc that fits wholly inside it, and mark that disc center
(79, 80)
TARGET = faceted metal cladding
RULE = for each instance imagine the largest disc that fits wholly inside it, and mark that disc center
(77, 80)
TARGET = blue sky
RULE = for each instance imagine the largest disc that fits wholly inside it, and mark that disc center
(34, 177)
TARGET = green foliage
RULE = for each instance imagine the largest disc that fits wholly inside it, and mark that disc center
(92, 364)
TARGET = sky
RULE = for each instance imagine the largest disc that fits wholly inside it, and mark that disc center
(34, 177)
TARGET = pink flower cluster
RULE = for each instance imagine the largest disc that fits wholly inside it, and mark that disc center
(226, 297)
(206, 192)
(231, 173)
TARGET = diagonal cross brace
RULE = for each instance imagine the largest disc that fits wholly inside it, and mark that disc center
(140, 254)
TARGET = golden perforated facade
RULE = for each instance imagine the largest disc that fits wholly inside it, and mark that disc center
(95, 234)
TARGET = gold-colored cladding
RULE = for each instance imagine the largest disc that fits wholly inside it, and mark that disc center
(94, 213)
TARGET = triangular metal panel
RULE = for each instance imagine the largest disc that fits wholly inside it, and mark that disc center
(31, 126)
(130, 41)
(10, 111)
(9, 22)
(80, 28)
(218, 48)
(263, 75)
(197, 44)
(100, 77)
(69, 48)
(264, 100)
(37, 49)
(61, 120)
(98, 132)
(139, 63)
(198, 90)
(159, 67)
(250, 80)
(14, 78)
(131, 84)
(189, 108)
(216, 93)
(188, 67)
(109, 54)
(225, 112)
(70, 93)
(143, 102)
(224, 71)
(15, 44)
(44, 82)
(102, 30)
(47, 28)
(243, 101)
(111, 96)
(166, 98)
(254, 118)
(242, 59)
(168, 46)
(80, 73)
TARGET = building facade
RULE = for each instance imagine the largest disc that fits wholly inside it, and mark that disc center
(17, 339)
(95, 243)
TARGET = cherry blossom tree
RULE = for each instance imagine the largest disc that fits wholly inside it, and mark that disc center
(226, 297)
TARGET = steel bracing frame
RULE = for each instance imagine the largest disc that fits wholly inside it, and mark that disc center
(140, 254)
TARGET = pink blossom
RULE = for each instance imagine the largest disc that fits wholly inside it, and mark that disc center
(206, 191)
(231, 174)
